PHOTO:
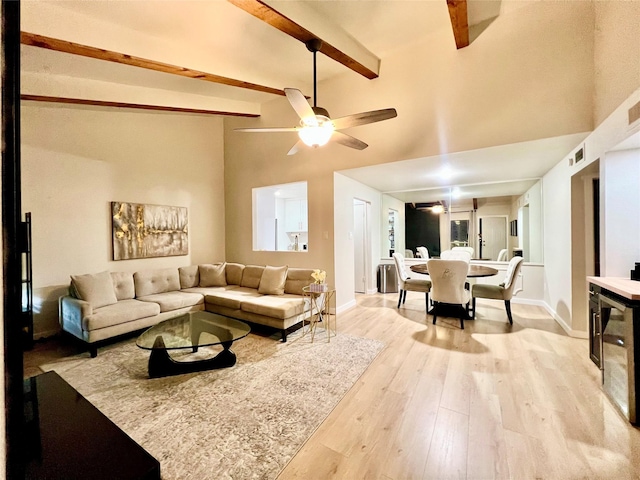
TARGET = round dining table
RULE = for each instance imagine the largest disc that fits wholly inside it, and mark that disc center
(475, 271)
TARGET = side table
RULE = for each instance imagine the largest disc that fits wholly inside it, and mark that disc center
(323, 310)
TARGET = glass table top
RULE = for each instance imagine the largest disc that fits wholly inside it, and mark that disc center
(194, 329)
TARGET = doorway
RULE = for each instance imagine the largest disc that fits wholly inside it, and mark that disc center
(492, 234)
(360, 245)
(585, 239)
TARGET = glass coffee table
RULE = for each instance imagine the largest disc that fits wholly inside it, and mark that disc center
(191, 331)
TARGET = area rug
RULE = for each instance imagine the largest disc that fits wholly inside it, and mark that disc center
(244, 422)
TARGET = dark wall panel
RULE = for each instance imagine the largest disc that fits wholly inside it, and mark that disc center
(422, 228)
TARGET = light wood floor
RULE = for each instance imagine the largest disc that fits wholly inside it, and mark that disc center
(492, 401)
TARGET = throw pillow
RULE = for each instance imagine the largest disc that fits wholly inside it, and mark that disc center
(213, 275)
(97, 289)
(273, 280)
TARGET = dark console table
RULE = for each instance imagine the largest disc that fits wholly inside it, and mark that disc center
(66, 437)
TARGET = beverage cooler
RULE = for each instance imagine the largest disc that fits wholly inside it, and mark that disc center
(615, 343)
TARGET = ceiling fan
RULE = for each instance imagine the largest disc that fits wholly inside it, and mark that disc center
(316, 126)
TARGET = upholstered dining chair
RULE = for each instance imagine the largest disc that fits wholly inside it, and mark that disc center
(463, 249)
(408, 253)
(448, 279)
(504, 291)
(502, 255)
(424, 253)
(409, 284)
(455, 255)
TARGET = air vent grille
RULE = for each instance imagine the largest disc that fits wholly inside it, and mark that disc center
(634, 113)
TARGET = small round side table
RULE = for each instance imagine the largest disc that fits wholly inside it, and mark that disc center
(322, 310)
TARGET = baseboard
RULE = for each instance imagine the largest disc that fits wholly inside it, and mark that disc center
(571, 332)
(347, 306)
(45, 334)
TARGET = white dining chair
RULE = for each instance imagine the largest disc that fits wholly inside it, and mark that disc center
(406, 283)
(448, 279)
(408, 253)
(455, 255)
(502, 255)
(504, 291)
(463, 249)
(423, 252)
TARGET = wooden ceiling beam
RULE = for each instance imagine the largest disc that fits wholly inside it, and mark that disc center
(102, 103)
(459, 22)
(58, 45)
(285, 24)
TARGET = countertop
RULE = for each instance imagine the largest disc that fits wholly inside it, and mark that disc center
(622, 286)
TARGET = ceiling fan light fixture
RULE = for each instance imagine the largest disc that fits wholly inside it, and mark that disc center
(316, 136)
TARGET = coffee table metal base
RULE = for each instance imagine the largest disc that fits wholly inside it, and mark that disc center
(162, 365)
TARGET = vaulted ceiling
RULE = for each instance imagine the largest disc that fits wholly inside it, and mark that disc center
(230, 57)
(220, 57)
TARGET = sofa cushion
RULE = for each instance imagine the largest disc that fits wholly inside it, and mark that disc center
(297, 278)
(272, 280)
(123, 285)
(121, 312)
(169, 301)
(234, 273)
(149, 282)
(232, 298)
(212, 275)
(189, 276)
(97, 289)
(281, 306)
(251, 276)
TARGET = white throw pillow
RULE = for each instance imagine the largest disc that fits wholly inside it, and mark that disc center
(273, 280)
(97, 289)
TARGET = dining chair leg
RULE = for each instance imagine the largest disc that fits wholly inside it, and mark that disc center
(426, 294)
(404, 297)
(400, 298)
(435, 311)
(473, 308)
(462, 322)
(507, 306)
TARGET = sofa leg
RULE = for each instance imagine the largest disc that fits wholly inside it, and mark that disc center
(284, 335)
(93, 351)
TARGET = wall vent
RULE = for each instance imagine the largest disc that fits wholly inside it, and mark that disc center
(634, 113)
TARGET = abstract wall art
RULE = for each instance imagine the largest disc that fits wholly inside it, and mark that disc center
(144, 231)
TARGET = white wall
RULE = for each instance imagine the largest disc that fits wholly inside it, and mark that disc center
(557, 212)
(345, 191)
(76, 160)
(620, 183)
(556, 205)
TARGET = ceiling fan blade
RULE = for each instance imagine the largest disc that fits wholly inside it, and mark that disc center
(295, 148)
(276, 129)
(348, 141)
(364, 118)
(301, 106)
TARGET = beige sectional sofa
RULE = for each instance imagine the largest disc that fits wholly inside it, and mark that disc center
(108, 304)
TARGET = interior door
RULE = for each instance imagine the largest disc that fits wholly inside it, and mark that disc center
(493, 236)
(359, 247)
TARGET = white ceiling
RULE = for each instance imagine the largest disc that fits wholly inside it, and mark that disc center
(490, 172)
(217, 37)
